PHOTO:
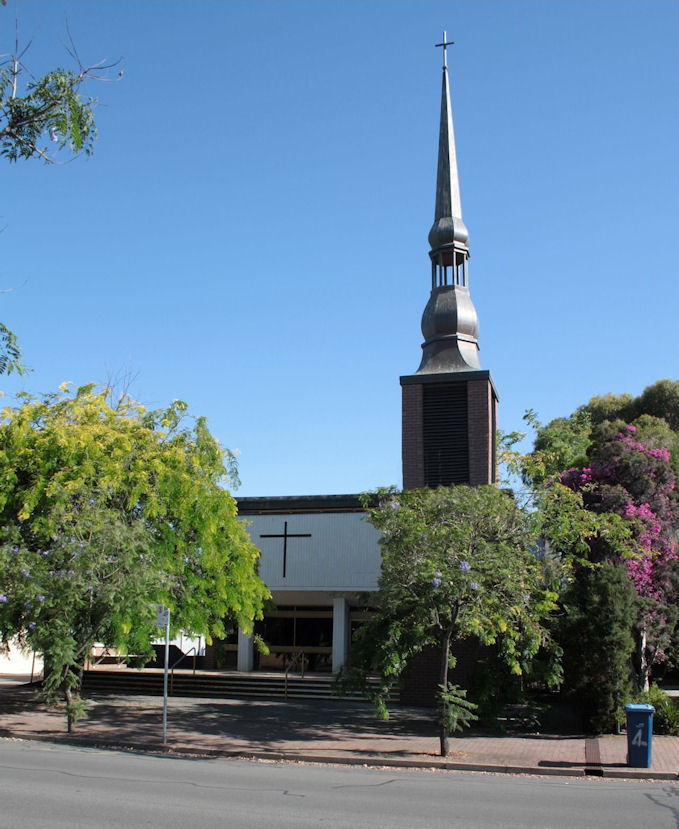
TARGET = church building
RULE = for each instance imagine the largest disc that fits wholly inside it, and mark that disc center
(318, 553)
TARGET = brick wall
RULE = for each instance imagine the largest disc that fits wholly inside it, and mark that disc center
(420, 681)
(481, 426)
(412, 450)
(481, 420)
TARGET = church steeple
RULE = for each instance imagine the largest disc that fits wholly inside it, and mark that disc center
(449, 324)
(450, 403)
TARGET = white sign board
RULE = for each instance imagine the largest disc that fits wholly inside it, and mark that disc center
(162, 616)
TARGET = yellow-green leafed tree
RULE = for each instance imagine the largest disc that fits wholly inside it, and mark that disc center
(107, 510)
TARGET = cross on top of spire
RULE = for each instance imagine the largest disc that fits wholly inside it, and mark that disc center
(445, 43)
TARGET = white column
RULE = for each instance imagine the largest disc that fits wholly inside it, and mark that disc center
(245, 661)
(340, 632)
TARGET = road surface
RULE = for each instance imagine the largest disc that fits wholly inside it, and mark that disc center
(47, 786)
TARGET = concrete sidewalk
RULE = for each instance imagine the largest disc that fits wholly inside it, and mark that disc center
(322, 732)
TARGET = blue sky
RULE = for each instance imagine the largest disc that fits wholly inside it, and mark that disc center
(250, 234)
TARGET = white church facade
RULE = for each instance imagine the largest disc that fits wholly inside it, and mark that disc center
(320, 558)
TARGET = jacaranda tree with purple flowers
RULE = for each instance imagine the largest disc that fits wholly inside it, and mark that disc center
(456, 562)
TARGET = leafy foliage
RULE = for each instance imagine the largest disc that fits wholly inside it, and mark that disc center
(596, 633)
(52, 109)
(456, 712)
(625, 480)
(456, 562)
(629, 476)
(666, 716)
(660, 400)
(107, 511)
(10, 352)
(37, 114)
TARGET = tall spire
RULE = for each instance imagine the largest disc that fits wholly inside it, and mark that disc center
(448, 226)
(449, 324)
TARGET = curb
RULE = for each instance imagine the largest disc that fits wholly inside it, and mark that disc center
(369, 761)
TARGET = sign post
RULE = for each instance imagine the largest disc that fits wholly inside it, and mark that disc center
(163, 621)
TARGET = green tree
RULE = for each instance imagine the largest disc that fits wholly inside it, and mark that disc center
(37, 114)
(620, 456)
(49, 111)
(595, 631)
(456, 562)
(106, 511)
(660, 400)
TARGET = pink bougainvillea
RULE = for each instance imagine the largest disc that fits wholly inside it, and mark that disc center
(628, 477)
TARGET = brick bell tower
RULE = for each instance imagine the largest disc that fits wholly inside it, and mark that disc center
(450, 403)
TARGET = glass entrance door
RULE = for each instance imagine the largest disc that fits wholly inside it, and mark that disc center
(293, 632)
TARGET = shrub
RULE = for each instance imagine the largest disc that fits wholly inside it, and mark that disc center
(666, 717)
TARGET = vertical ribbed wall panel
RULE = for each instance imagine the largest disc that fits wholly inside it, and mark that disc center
(445, 434)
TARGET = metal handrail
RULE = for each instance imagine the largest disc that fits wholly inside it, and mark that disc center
(299, 655)
(193, 651)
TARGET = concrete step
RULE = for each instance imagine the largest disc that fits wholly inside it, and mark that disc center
(217, 685)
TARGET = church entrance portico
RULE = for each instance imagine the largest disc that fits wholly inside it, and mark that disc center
(310, 637)
(317, 555)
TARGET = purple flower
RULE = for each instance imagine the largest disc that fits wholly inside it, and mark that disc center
(465, 566)
(3, 598)
(27, 605)
(32, 626)
(110, 559)
(90, 588)
(473, 585)
(437, 582)
(25, 574)
(526, 598)
(393, 504)
(41, 598)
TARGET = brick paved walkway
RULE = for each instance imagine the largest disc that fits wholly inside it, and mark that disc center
(336, 732)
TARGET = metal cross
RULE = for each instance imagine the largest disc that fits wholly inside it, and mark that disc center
(444, 44)
(285, 535)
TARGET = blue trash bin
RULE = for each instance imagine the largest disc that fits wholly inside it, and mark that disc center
(639, 734)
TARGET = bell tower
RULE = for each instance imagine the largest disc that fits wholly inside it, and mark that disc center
(450, 404)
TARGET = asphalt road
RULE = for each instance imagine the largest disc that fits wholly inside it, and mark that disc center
(43, 786)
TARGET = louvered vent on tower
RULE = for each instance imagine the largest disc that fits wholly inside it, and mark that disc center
(446, 442)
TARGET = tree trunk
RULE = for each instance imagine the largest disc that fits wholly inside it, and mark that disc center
(443, 680)
(644, 668)
(69, 719)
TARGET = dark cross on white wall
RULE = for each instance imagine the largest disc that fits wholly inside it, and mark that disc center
(285, 535)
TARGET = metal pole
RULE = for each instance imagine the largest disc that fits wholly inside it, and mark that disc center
(167, 662)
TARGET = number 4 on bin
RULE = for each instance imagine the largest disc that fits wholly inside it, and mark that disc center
(638, 740)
